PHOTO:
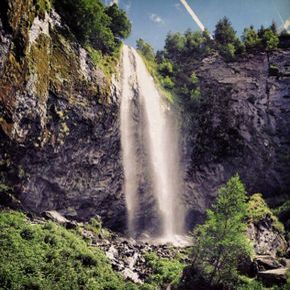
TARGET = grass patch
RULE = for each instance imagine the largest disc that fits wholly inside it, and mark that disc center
(47, 256)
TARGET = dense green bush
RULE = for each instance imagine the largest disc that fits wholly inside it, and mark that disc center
(47, 256)
(93, 23)
(164, 271)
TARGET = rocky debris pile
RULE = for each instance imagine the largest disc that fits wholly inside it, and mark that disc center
(127, 256)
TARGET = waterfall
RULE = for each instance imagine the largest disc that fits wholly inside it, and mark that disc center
(159, 140)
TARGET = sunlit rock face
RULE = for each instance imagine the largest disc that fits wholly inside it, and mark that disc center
(242, 126)
(60, 141)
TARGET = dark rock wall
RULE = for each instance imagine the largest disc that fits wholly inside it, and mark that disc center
(59, 123)
(243, 126)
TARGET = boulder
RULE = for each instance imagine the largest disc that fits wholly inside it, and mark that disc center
(130, 275)
(273, 277)
(54, 216)
(267, 262)
(266, 239)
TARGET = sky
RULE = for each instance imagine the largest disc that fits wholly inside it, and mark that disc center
(153, 19)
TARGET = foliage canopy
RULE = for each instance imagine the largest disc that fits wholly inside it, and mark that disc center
(93, 23)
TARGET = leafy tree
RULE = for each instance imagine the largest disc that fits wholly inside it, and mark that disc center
(120, 24)
(226, 40)
(224, 32)
(251, 38)
(165, 68)
(222, 241)
(174, 45)
(146, 49)
(93, 23)
(270, 40)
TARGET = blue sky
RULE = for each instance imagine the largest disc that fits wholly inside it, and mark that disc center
(153, 19)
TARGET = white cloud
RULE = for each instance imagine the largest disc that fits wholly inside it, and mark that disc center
(156, 19)
(111, 2)
(287, 24)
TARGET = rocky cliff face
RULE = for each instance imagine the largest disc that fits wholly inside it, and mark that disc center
(59, 124)
(242, 126)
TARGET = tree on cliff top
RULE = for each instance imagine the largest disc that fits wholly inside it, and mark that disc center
(224, 33)
(222, 241)
(93, 23)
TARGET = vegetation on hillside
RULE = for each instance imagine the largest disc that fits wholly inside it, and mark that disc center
(44, 255)
(47, 256)
(95, 24)
(99, 28)
(174, 66)
(221, 244)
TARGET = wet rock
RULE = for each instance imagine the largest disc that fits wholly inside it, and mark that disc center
(59, 122)
(55, 216)
(267, 262)
(273, 277)
(130, 275)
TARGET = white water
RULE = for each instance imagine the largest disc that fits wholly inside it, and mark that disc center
(161, 143)
(127, 139)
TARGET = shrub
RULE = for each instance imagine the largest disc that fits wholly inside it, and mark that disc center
(167, 82)
(165, 271)
(228, 52)
(145, 49)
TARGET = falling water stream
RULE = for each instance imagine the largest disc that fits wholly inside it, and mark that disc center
(161, 143)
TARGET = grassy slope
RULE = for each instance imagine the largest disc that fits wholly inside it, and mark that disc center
(47, 256)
